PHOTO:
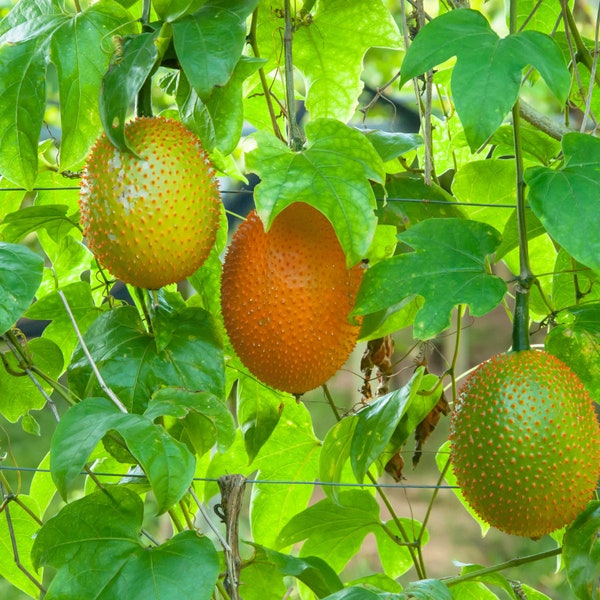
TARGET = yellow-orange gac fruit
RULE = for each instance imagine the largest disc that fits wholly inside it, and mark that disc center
(150, 219)
(525, 443)
(286, 298)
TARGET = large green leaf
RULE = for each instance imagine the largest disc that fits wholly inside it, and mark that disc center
(167, 463)
(566, 200)
(170, 10)
(581, 553)
(94, 543)
(22, 529)
(52, 217)
(259, 409)
(20, 276)
(472, 590)
(356, 593)
(23, 100)
(487, 75)
(217, 33)
(330, 50)
(333, 532)
(194, 113)
(19, 395)
(312, 571)
(576, 341)
(331, 173)
(290, 454)
(447, 268)
(427, 589)
(79, 52)
(131, 365)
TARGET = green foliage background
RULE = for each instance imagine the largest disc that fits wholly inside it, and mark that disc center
(174, 410)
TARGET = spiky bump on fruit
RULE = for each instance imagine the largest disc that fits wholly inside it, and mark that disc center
(286, 298)
(150, 220)
(525, 443)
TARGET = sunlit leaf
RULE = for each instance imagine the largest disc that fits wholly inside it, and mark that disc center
(331, 173)
(454, 248)
(566, 200)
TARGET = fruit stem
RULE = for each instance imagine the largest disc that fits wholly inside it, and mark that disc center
(143, 104)
(295, 138)
(520, 337)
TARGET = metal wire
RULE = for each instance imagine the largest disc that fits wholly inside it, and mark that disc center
(258, 481)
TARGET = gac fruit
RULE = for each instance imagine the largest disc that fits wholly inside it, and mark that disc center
(150, 219)
(286, 298)
(525, 443)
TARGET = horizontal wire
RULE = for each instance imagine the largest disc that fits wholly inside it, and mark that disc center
(258, 481)
(404, 200)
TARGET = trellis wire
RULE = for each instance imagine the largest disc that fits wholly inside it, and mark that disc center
(257, 481)
(405, 200)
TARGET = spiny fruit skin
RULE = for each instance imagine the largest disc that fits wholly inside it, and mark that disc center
(525, 443)
(151, 220)
(286, 297)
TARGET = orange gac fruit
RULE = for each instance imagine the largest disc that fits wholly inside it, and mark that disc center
(525, 443)
(286, 298)
(150, 219)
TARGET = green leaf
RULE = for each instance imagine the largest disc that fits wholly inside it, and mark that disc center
(53, 218)
(331, 173)
(333, 532)
(454, 247)
(20, 276)
(488, 69)
(225, 105)
(472, 590)
(167, 463)
(395, 558)
(134, 369)
(390, 145)
(441, 459)
(570, 278)
(495, 578)
(194, 113)
(581, 553)
(354, 593)
(78, 50)
(217, 32)
(427, 589)
(20, 394)
(290, 454)
(533, 594)
(376, 423)
(23, 94)
(486, 182)
(312, 571)
(377, 581)
(177, 402)
(334, 456)
(94, 543)
(170, 10)
(123, 81)
(24, 528)
(42, 487)
(510, 235)
(576, 341)
(330, 50)
(60, 330)
(259, 409)
(565, 200)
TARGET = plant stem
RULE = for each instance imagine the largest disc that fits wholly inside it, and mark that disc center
(263, 78)
(143, 105)
(520, 337)
(295, 138)
(583, 54)
(515, 562)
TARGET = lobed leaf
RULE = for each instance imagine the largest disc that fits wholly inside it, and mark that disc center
(455, 248)
(331, 173)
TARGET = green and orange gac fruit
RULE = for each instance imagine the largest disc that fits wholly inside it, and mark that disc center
(525, 443)
(150, 216)
(286, 298)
